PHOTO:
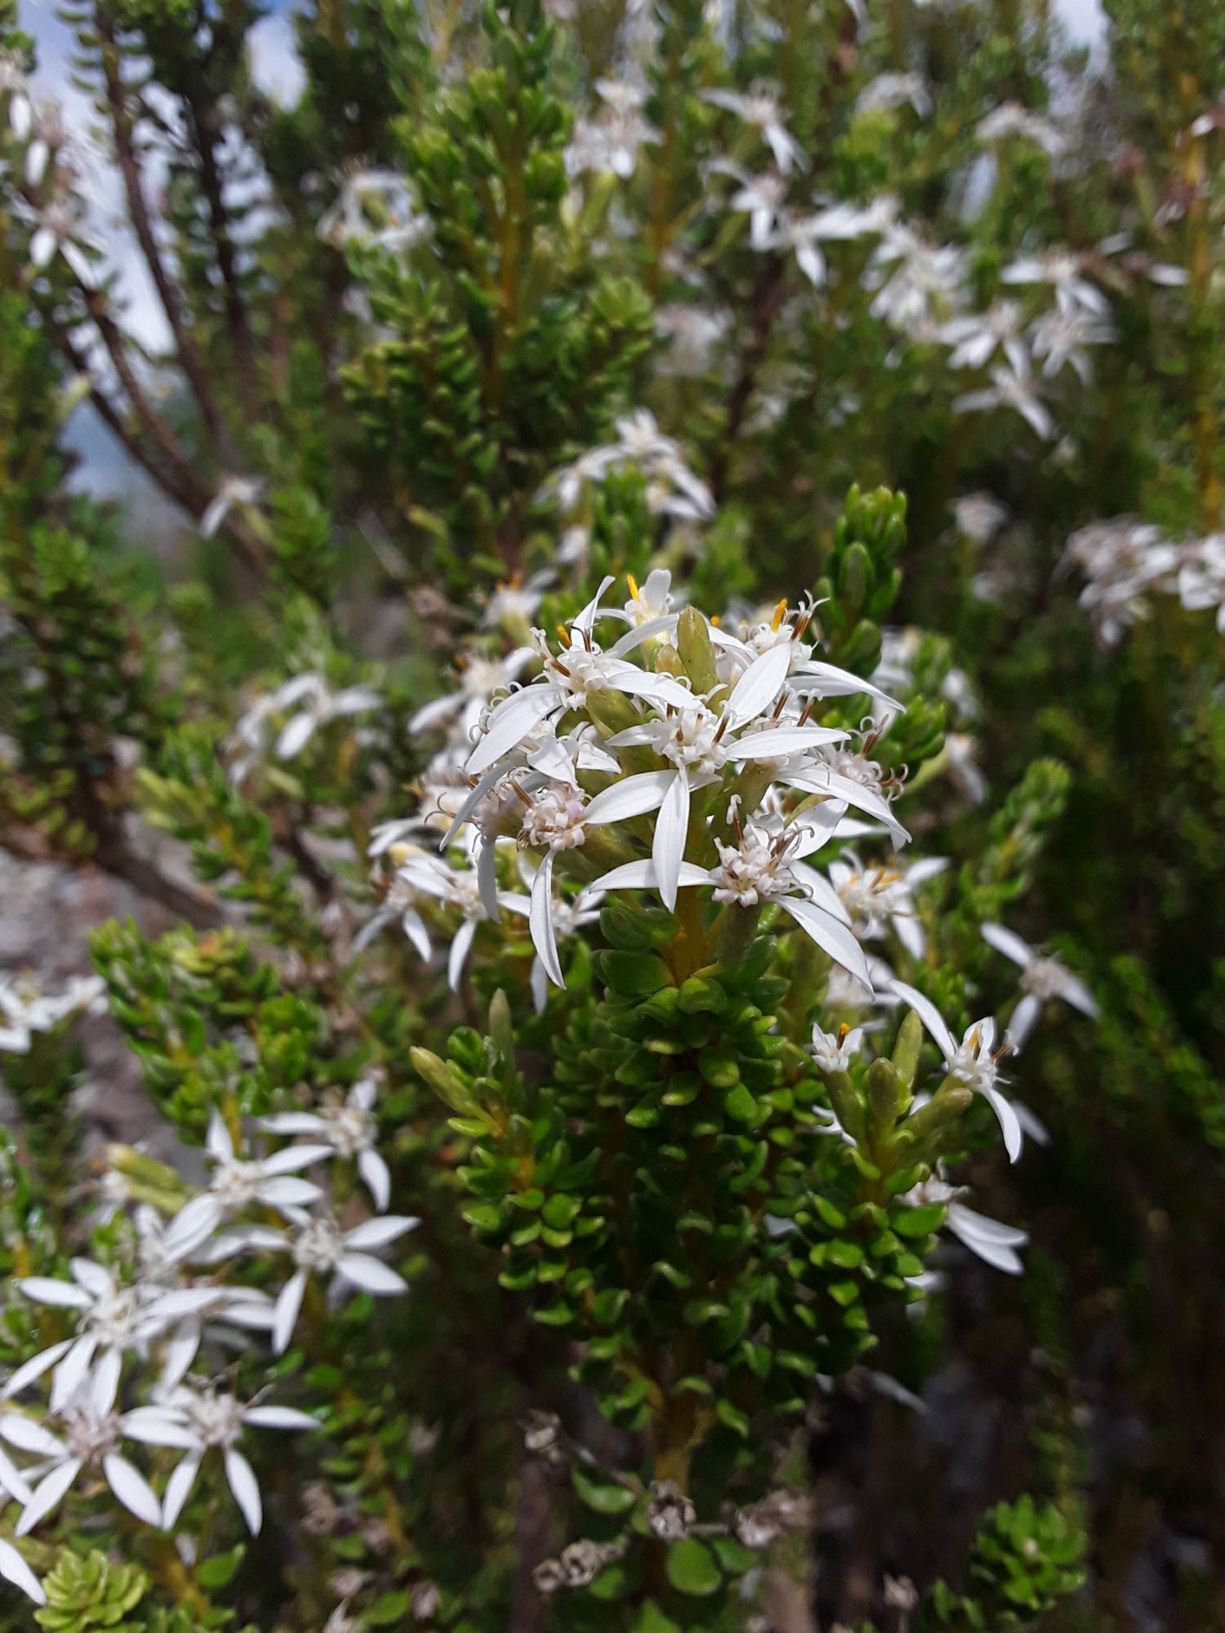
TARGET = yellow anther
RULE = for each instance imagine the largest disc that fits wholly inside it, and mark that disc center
(780, 612)
(843, 1031)
(564, 634)
(716, 622)
(635, 592)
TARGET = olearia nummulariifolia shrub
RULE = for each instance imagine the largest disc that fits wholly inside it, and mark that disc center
(703, 553)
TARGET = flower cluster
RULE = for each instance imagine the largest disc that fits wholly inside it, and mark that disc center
(184, 1295)
(1125, 562)
(25, 1011)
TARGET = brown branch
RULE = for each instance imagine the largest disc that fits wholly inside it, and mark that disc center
(764, 308)
(192, 496)
(115, 855)
(203, 126)
(122, 125)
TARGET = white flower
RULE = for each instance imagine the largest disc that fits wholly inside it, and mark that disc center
(237, 1184)
(889, 91)
(197, 1422)
(1059, 339)
(348, 1126)
(1201, 577)
(609, 144)
(979, 517)
(766, 866)
(16, 87)
(834, 1051)
(1008, 389)
(971, 1062)
(91, 1433)
(24, 1010)
(516, 603)
(883, 896)
(693, 333)
(321, 1248)
(111, 1320)
(761, 110)
(1011, 119)
(918, 285)
(58, 232)
(1122, 560)
(1042, 978)
(761, 199)
(480, 679)
(233, 493)
(994, 1243)
(317, 705)
(975, 339)
(672, 488)
(1062, 270)
(375, 208)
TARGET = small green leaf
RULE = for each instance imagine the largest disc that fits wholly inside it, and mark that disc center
(692, 1568)
(604, 1496)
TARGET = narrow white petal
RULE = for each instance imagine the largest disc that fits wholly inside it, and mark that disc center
(191, 1227)
(835, 682)
(631, 797)
(832, 936)
(821, 891)
(458, 957)
(217, 1141)
(414, 928)
(28, 1436)
(379, 1232)
(295, 736)
(540, 921)
(12, 1480)
(671, 832)
(1075, 992)
(288, 1308)
(776, 742)
(758, 687)
(655, 688)
(510, 723)
(1009, 1123)
(641, 876)
(294, 1122)
(64, 1295)
(296, 1157)
(96, 1281)
(47, 1494)
(245, 1487)
(1004, 941)
(132, 1489)
(104, 1385)
(929, 1015)
(153, 1427)
(1032, 1125)
(1021, 1023)
(278, 1417)
(372, 1275)
(15, 1570)
(35, 1367)
(586, 618)
(289, 1192)
(70, 1374)
(178, 1488)
(376, 1178)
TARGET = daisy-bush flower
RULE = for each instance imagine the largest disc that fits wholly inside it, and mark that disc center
(881, 897)
(111, 1319)
(974, 1062)
(672, 488)
(609, 144)
(1013, 390)
(626, 775)
(1063, 271)
(976, 338)
(377, 209)
(918, 285)
(1059, 340)
(346, 1124)
(91, 1432)
(1011, 121)
(233, 493)
(1042, 979)
(238, 1183)
(760, 109)
(834, 1051)
(197, 1421)
(1123, 561)
(25, 1011)
(889, 91)
(319, 1247)
(996, 1244)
